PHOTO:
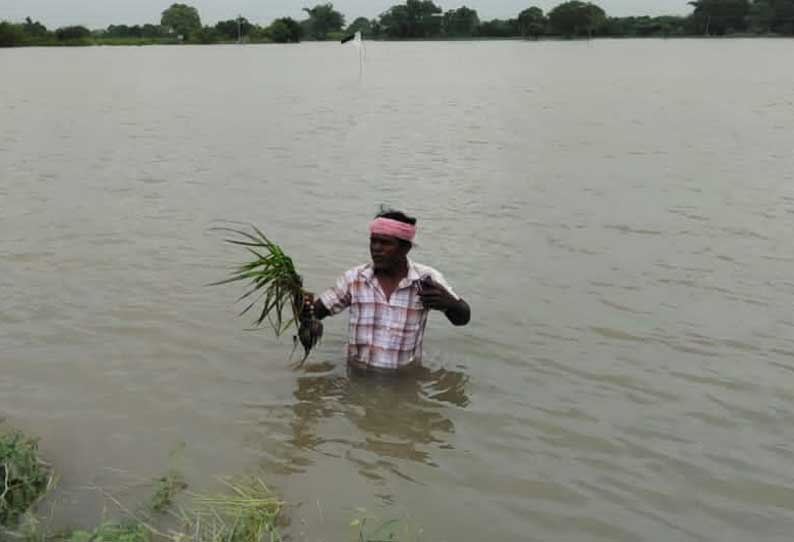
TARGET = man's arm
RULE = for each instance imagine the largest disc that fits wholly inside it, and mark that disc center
(437, 297)
(320, 311)
(458, 313)
(337, 299)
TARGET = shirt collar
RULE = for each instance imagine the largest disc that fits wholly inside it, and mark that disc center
(412, 276)
(368, 273)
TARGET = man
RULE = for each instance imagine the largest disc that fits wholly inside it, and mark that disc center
(389, 299)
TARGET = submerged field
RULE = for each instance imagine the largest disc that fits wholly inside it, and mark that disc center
(616, 212)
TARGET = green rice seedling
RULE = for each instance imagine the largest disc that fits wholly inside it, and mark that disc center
(247, 513)
(167, 488)
(109, 532)
(276, 286)
(372, 529)
(24, 476)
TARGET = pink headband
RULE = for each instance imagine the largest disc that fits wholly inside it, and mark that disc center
(393, 228)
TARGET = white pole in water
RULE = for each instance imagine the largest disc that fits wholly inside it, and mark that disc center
(359, 44)
(239, 29)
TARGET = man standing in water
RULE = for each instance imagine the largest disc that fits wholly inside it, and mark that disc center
(389, 299)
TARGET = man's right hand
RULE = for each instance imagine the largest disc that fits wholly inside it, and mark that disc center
(314, 306)
(308, 303)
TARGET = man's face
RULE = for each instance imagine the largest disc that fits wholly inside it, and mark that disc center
(387, 252)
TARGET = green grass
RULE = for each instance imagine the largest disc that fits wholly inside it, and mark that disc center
(108, 532)
(370, 528)
(24, 477)
(167, 488)
(247, 512)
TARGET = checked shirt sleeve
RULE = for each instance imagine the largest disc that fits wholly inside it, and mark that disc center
(338, 298)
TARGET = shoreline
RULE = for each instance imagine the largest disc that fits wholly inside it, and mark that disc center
(125, 42)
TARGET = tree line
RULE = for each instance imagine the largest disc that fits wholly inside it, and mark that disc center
(423, 19)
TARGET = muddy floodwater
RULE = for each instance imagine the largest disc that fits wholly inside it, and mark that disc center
(619, 215)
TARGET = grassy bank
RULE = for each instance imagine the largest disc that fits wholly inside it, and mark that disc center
(245, 511)
(24, 476)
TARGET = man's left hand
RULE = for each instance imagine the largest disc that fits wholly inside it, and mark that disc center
(436, 297)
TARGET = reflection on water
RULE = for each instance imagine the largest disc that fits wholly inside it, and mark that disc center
(397, 418)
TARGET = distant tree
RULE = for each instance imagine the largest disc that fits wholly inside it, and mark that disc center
(499, 28)
(664, 26)
(258, 34)
(772, 16)
(229, 30)
(645, 26)
(362, 24)
(461, 22)
(205, 35)
(34, 29)
(672, 25)
(278, 32)
(395, 22)
(72, 33)
(323, 18)
(376, 28)
(576, 18)
(762, 15)
(285, 30)
(117, 31)
(414, 19)
(152, 31)
(181, 19)
(720, 16)
(135, 31)
(531, 22)
(11, 35)
(306, 28)
(784, 16)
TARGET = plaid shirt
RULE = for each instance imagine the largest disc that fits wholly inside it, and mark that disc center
(385, 334)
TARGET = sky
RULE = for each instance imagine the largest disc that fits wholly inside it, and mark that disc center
(101, 13)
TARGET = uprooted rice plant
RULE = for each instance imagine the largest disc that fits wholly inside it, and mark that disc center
(24, 476)
(372, 529)
(277, 285)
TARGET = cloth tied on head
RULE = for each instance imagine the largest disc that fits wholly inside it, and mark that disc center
(393, 228)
